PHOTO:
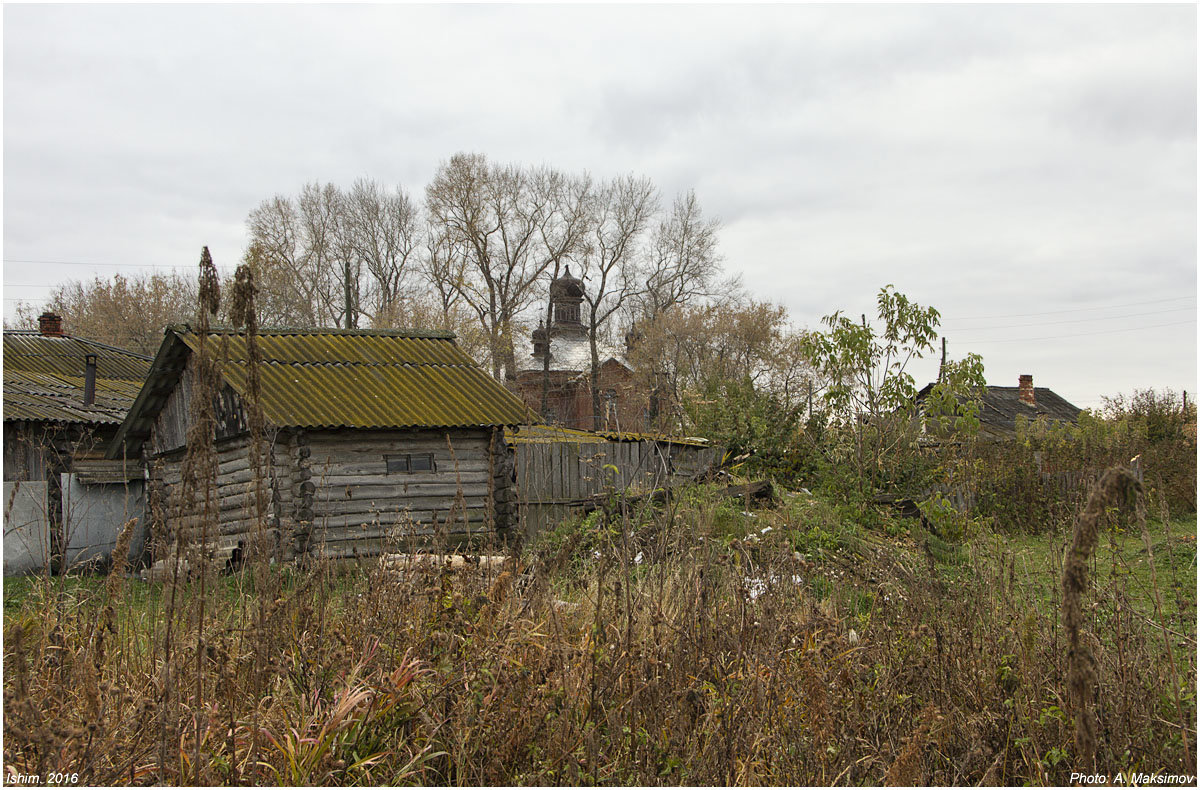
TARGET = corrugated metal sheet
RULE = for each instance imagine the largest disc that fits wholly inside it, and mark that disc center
(44, 378)
(365, 379)
(548, 434)
(27, 350)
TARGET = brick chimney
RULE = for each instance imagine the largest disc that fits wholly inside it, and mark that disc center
(50, 324)
(1025, 390)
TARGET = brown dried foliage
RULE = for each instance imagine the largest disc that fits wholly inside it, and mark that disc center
(678, 669)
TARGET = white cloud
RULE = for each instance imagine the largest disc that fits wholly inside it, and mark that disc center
(989, 160)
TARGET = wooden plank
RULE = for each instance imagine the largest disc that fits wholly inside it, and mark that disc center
(414, 504)
(385, 492)
(377, 465)
(401, 480)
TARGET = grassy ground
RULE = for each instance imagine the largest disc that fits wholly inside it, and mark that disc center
(703, 642)
(1122, 560)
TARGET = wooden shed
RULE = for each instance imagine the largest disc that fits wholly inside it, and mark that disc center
(372, 437)
(64, 399)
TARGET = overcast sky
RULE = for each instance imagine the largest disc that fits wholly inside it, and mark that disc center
(1030, 171)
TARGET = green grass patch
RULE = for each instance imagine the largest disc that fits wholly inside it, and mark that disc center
(1121, 561)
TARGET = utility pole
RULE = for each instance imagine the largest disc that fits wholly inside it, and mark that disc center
(942, 367)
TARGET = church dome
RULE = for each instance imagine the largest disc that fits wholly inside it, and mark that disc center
(566, 286)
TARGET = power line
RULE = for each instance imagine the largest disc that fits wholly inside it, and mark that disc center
(1073, 310)
(118, 265)
(1084, 334)
(1072, 321)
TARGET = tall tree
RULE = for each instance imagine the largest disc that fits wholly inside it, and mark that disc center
(612, 262)
(278, 255)
(127, 312)
(501, 216)
(684, 268)
(382, 230)
(685, 265)
(329, 256)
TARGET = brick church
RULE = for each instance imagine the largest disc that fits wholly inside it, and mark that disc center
(569, 401)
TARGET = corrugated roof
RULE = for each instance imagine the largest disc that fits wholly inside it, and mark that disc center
(330, 378)
(548, 434)
(44, 378)
(28, 350)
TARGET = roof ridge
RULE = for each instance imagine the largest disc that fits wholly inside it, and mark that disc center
(84, 340)
(225, 329)
(345, 363)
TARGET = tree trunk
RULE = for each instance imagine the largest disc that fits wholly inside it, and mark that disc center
(597, 421)
(348, 285)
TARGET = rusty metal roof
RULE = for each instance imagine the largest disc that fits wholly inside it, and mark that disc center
(44, 378)
(330, 378)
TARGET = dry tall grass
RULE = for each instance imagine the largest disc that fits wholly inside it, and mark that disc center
(681, 654)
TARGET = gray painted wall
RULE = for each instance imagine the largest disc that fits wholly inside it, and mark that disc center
(26, 529)
(95, 513)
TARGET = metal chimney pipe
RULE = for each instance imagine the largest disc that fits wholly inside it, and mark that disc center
(89, 380)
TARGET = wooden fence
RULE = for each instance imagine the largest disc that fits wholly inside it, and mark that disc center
(558, 475)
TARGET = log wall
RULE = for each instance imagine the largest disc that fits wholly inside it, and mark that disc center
(232, 521)
(359, 508)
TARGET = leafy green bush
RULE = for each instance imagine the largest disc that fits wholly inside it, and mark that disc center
(756, 424)
(1039, 481)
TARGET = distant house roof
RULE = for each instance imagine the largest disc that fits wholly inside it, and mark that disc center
(340, 378)
(44, 378)
(1002, 405)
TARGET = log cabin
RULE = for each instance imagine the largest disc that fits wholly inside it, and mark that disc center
(371, 438)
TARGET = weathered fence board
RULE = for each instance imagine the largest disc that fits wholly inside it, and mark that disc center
(94, 515)
(555, 476)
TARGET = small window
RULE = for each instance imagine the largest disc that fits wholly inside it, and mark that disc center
(410, 462)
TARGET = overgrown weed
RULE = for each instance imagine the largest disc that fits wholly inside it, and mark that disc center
(682, 654)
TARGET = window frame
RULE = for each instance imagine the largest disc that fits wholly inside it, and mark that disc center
(402, 463)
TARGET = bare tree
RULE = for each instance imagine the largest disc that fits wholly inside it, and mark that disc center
(498, 214)
(684, 268)
(612, 263)
(329, 255)
(564, 232)
(443, 266)
(277, 256)
(382, 231)
(685, 265)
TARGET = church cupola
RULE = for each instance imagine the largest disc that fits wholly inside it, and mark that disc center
(540, 342)
(566, 298)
